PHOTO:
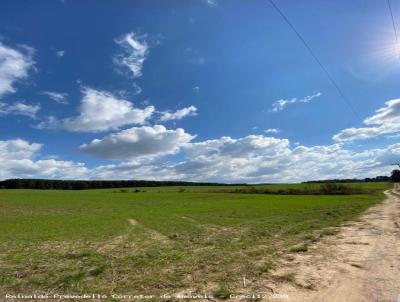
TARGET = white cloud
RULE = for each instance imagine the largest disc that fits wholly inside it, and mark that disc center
(386, 115)
(17, 159)
(143, 151)
(60, 53)
(138, 142)
(263, 159)
(14, 66)
(125, 170)
(136, 88)
(271, 130)
(50, 122)
(212, 3)
(44, 168)
(135, 51)
(18, 149)
(179, 114)
(101, 111)
(386, 120)
(19, 108)
(256, 159)
(58, 97)
(282, 104)
(248, 146)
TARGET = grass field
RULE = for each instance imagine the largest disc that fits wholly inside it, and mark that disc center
(160, 240)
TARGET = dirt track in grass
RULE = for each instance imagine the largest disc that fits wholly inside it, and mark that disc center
(360, 263)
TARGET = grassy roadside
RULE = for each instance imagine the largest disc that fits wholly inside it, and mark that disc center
(157, 241)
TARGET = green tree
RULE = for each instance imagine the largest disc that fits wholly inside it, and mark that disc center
(395, 175)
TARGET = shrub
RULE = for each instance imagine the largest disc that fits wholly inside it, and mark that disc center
(323, 189)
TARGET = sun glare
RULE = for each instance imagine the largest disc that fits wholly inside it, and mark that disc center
(387, 49)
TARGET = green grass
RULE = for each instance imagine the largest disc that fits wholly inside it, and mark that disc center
(82, 241)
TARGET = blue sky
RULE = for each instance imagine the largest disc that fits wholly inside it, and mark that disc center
(197, 90)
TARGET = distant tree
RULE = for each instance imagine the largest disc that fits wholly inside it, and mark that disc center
(47, 184)
(395, 177)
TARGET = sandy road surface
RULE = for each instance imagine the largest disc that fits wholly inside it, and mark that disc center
(360, 263)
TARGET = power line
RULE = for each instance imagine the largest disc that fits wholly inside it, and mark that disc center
(394, 27)
(331, 79)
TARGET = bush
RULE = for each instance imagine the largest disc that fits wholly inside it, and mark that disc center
(323, 189)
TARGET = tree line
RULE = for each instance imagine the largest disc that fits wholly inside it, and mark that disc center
(49, 184)
(351, 180)
(54, 184)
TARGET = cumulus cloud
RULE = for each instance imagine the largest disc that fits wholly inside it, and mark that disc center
(101, 111)
(179, 114)
(263, 159)
(14, 66)
(226, 157)
(17, 159)
(248, 146)
(282, 104)
(58, 97)
(19, 108)
(18, 149)
(271, 130)
(143, 152)
(125, 170)
(256, 159)
(253, 159)
(44, 168)
(138, 142)
(134, 52)
(386, 120)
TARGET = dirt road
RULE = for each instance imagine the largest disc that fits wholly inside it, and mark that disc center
(360, 263)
